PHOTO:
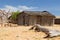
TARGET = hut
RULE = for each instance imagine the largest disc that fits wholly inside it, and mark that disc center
(35, 17)
(57, 20)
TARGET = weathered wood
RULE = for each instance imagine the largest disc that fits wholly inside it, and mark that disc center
(48, 32)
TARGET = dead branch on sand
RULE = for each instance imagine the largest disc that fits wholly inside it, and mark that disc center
(48, 32)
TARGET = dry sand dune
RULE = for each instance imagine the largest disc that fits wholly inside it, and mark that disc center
(22, 33)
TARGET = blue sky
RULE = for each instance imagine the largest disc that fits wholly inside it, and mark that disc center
(53, 6)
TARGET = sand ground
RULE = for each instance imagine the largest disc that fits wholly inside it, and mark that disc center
(23, 33)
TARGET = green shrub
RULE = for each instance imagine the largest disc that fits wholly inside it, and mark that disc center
(14, 15)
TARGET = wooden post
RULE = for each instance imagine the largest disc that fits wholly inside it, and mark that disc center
(53, 21)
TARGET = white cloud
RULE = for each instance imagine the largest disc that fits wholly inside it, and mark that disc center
(29, 8)
(20, 8)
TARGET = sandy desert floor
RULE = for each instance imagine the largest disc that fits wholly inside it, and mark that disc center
(23, 33)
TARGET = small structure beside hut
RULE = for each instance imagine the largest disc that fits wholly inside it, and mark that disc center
(57, 20)
(44, 18)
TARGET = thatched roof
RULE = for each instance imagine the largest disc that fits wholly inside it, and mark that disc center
(41, 13)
